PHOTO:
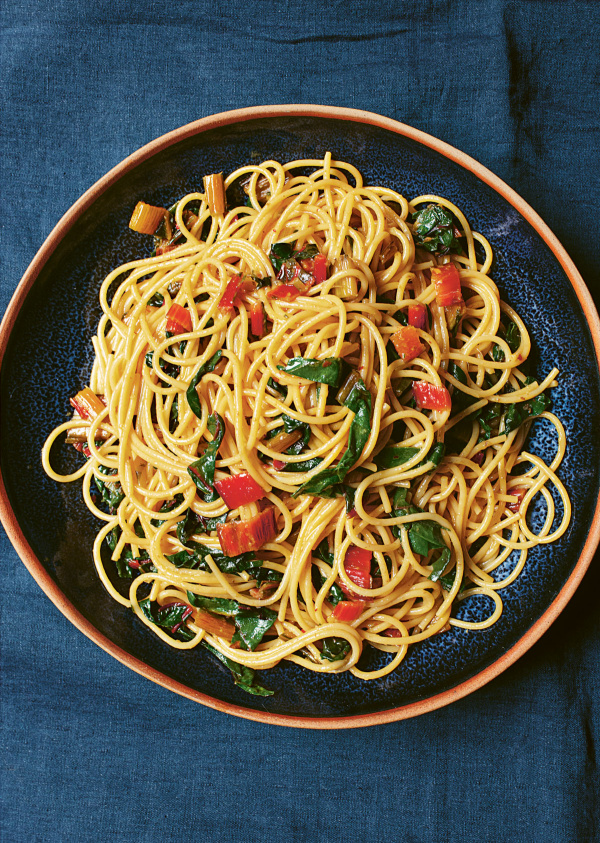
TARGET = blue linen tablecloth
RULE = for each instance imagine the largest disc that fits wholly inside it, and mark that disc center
(94, 752)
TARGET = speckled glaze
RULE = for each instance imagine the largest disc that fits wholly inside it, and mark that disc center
(56, 309)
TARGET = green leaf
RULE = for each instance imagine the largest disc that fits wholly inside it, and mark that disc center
(512, 336)
(195, 558)
(308, 252)
(191, 393)
(328, 483)
(322, 552)
(111, 494)
(440, 564)
(251, 623)
(167, 506)
(305, 465)
(168, 617)
(434, 228)
(327, 371)
(202, 471)
(279, 253)
(242, 675)
(216, 605)
(447, 582)
(425, 536)
(281, 388)
(393, 456)
(335, 649)
(290, 425)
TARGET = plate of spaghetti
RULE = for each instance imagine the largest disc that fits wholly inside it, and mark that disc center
(315, 440)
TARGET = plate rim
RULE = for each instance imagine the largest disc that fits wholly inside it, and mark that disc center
(60, 230)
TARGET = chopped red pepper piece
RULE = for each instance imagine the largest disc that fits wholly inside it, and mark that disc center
(392, 632)
(407, 343)
(257, 319)
(239, 490)
(87, 404)
(236, 537)
(347, 611)
(447, 285)
(519, 493)
(357, 565)
(417, 315)
(283, 291)
(279, 465)
(179, 320)
(431, 397)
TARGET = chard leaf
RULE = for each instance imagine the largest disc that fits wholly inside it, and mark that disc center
(335, 649)
(290, 425)
(440, 565)
(309, 251)
(168, 617)
(279, 253)
(191, 393)
(328, 483)
(111, 494)
(425, 536)
(435, 230)
(167, 506)
(516, 414)
(202, 471)
(281, 388)
(328, 371)
(195, 558)
(242, 675)
(251, 625)
(251, 622)
(305, 465)
(393, 456)
(216, 605)
(187, 527)
(323, 553)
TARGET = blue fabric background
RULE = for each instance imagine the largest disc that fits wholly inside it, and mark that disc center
(93, 752)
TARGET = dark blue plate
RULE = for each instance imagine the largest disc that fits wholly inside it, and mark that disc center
(48, 354)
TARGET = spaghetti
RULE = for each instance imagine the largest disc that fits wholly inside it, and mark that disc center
(306, 422)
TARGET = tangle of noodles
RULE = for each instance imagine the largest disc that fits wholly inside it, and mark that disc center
(471, 507)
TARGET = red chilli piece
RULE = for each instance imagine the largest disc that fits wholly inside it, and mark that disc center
(347, 611)
(519, 493)
(179, 320)
(239, 490)
(447, 285)
(407, 343)
(357, 565)
(417, 316)
(237, 537)
(279, 465)
(431, 397)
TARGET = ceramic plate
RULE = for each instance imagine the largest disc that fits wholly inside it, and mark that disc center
(46, 358)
